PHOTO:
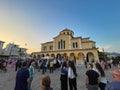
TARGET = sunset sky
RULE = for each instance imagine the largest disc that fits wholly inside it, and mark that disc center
(29, 23)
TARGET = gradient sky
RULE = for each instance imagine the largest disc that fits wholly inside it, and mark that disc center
(37, 21)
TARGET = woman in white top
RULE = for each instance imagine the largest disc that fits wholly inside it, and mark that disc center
(101, 72)
(72, 76)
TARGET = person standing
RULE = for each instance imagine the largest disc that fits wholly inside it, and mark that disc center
(92, 78)
(55, 62)
(12, 64)
(31, 74)
(103, 80)
(4, 66)
(43, 66)
(85, 62)
(114, 85)
(51, 66)
(63, 76)
(72, 76)
(16, 65)
(19, 64)
(39, 65)
(22, 78)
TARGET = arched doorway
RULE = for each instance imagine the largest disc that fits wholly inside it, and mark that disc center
(42, 55)
(34, 56)
(47, 54)
(72, 56)
(90, 57)
(52, 55)
(80, 58)
(38, 56)
(65, 56)
(58, 56)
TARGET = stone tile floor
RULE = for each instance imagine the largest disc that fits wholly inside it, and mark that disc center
(7, 80)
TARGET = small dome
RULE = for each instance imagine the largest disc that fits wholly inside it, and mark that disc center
(67, 31)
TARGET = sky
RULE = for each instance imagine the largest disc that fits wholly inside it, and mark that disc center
(29, 23)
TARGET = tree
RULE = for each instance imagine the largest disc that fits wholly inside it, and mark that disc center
(102, 56)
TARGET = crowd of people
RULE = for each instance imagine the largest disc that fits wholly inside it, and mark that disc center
(95, 77)
(25, 75)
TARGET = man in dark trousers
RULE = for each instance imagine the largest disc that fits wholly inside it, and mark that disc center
(22, 78)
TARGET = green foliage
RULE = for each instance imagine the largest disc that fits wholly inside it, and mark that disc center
(102, 56)
(115, 58)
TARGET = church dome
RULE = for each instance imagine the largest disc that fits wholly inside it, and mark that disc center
(67, 32)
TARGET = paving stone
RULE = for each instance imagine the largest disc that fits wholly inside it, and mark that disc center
(7, 80)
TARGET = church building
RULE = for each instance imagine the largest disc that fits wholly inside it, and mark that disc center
(66, 46)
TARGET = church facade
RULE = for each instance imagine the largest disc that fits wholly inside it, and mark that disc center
(66, 46)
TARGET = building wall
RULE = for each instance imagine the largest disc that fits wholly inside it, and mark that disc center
(86, 45)
(14, 51)
(47, 45)
(85, 39)
(1, 45)
(78, 41)
(84, 50)
(7, 49)
(66, 39)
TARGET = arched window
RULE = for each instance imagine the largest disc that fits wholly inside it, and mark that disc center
(51, 48)
(61, 42)
(73, 45)
(59, 45)
(67, 33)
(45, 48)
(76, 44)
(64, 44)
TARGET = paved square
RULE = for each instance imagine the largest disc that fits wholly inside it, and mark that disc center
(7, 80)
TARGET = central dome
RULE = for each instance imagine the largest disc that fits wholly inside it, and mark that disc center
(67, 31)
